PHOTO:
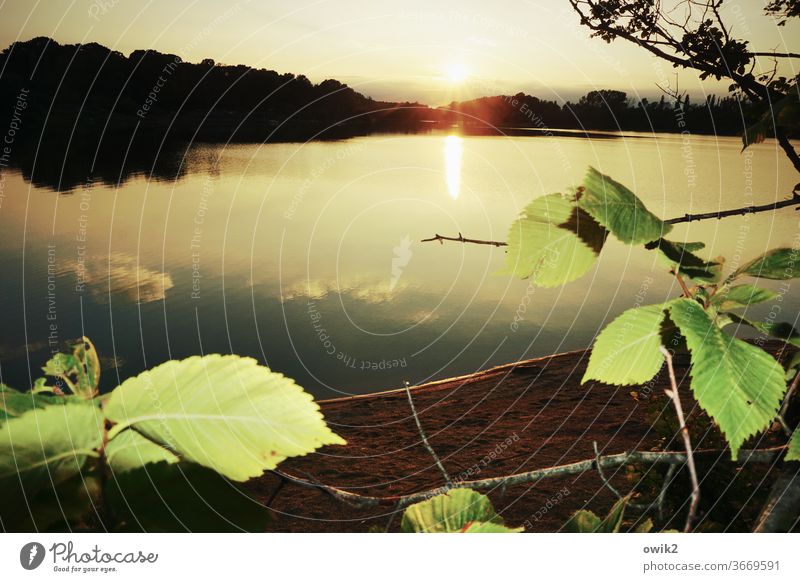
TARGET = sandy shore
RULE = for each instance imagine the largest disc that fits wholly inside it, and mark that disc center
(509, 419)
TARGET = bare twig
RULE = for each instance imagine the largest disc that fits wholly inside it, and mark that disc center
(676, 401)
(777, 55)
(768, 455)
(425, 438)
(684, 288)
(274, 494)
(600, 472)
(793, 201)
(461, 239)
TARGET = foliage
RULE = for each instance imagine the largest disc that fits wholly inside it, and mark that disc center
(585, 521)
(739, 385)
(457, 511)
(554, 241)
(259, 420)
(162, 452)
(794, 447)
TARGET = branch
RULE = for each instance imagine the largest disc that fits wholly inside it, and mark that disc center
(425, 439)
(461, 239)
(787, 147)
(793, 201)
(687, 441)
(777, 55)
(768, 455)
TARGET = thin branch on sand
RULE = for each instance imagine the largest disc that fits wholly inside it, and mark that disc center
(767, 455)
(687, 441)
(425, 438)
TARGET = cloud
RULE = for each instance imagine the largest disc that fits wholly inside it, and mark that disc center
(118, 275)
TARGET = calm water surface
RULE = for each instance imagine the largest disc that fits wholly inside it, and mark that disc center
(307, 256)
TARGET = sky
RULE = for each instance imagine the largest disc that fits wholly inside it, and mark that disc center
(432, 52)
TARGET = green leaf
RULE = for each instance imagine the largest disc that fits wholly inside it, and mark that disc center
(739, 385)
(45, 446)
(776, 264)
(740, 296)
(619, 210)
(452, 512)
(488, 527)
(182, 497)
(627, 351)
(585, 521)
(14, 403)
(553, 242)
(645, 527)
(613, 520)
(781, 330)
(679, 257)
(793, 454)
(129, 450)
(80, 371)
(223, 412)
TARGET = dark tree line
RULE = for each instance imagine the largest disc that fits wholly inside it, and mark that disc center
(607, 110)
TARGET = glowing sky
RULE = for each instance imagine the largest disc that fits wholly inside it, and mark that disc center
(416, 50)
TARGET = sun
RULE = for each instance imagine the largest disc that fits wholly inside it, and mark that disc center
(456, 73)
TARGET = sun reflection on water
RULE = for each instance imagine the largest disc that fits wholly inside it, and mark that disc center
(453, 151)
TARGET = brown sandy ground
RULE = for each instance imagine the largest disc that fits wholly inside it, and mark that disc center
(506, 420)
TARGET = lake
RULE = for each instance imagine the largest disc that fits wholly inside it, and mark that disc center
(307, 256)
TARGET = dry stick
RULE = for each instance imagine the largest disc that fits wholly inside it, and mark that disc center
(676, 401)
(425, 439)
(767, 455)
(684, 288)
(794, 201)
(600, 472)
(461, 239)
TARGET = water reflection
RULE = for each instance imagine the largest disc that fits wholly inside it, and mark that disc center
(118, 275)
(453, 152)
(308, 257)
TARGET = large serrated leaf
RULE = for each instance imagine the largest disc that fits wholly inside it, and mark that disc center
(619, 210)
(452, 512)
(739, 385)
(627, 351)
(780, 264)
(45, 446)
(553, 242)
(223, 412)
